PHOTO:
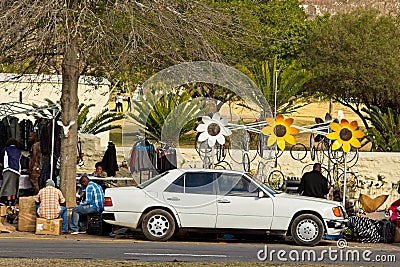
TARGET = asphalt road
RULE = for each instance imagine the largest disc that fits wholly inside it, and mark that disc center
(89, 247)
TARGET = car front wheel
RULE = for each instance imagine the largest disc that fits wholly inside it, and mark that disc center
(158, 225)
(307, 229)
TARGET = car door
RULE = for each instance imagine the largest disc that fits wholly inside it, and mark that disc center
(193, 196)
(238, 204)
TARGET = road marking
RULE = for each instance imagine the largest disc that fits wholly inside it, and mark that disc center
(175, 255)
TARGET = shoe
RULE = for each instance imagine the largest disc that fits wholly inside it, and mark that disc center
(74, 233)
(82, 232)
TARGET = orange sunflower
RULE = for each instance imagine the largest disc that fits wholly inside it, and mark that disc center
(279, 131)
(345, 135)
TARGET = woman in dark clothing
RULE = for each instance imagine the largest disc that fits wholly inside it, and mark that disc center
(11, 157)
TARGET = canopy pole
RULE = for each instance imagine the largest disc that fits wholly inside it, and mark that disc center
(53, 122)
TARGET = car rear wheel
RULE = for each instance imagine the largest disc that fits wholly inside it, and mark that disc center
(158, 225)
(307, 229)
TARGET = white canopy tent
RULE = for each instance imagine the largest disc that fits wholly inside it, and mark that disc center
(46, 112)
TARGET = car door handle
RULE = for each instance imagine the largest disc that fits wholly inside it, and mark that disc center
(223, 201)
(174, 198)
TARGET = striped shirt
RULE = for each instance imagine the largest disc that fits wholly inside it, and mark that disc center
(50, 199)
(94, 196)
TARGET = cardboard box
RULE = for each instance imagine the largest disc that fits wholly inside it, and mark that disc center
(376, 215)
(48, 227)
(3, 211)
(27, 214)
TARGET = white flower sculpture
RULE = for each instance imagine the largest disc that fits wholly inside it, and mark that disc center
(213, 129)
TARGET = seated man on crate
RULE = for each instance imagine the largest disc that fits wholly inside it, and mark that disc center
(51, 204)
(94, 203)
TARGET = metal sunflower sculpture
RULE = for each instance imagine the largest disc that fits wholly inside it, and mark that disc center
(345, 135)
(213, 129)
(279, 131)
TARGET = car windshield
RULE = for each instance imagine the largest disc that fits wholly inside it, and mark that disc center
(265, 187)
(269, 189)
(152, 180)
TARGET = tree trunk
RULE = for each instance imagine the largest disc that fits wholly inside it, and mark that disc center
(69, 107)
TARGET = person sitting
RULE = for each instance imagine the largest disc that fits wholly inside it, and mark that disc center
(94, 203)
(51, 204)
(99, 170)
(313, 183)
(100, 173)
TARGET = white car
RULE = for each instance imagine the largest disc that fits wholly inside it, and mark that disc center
(222, 201)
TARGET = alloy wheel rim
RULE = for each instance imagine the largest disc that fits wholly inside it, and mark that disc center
(307, 230)
(158, 225)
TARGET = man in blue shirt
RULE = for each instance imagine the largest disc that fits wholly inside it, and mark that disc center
(94, 203)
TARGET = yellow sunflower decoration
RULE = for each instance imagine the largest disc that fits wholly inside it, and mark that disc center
(345, 135)
(279, 131)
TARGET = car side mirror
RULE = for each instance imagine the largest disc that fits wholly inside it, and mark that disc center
(261, 194)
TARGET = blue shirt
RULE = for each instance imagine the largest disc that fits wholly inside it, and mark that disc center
(94, 196)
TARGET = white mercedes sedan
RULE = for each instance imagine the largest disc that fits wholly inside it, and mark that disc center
(219, 201)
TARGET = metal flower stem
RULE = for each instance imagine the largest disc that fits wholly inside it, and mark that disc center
(345, 180)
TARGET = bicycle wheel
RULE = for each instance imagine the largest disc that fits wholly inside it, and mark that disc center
(352, 157)
(298, 152)
(320, 152)
(312, 146)
(237, 144)
(246, 162)
(276, 179)
(351, 180)
(222, 165)
(220, 153)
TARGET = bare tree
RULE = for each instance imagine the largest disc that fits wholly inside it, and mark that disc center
(75, 37)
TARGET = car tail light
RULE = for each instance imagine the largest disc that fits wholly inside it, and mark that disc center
(108, 202)
(336, 212)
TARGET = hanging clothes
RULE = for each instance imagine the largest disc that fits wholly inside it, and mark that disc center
(26, 127)
(166, 159)
(3, 135)
(143, 157)
(109, 161)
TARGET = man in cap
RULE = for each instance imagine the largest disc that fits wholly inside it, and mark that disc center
(94, 203)
(51, 204)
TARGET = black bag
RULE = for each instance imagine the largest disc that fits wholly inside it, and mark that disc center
(387, 231)
(94, 224)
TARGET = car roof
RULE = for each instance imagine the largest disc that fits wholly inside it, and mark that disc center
(210, 170)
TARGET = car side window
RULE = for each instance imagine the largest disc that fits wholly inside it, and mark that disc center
(199, 183)
(176, 186)
(236, 185)
(193, 183)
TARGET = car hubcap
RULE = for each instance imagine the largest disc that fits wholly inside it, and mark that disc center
(158, 225)
(307, 230)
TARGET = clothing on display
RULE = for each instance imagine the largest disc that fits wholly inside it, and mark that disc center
(109, 161)
(143, 156)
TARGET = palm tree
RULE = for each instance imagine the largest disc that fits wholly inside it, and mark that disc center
(385, 131)
(169, 117)
(290, 80)
(99, 123)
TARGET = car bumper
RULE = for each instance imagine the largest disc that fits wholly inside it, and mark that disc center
(335, 226)
(125, 219)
